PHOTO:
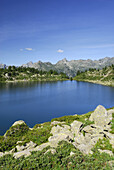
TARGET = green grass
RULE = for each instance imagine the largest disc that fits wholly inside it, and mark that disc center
(61, 160)
(104, 75)
(103, 144)
(69, 119)
(22, 133)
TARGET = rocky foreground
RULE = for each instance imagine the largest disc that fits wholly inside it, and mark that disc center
(84, 136)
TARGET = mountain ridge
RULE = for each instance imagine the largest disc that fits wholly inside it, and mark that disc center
(71, 67)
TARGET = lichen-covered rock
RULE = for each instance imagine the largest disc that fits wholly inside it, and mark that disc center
(53, 151)
(41, 147)
(100, 116)
(54, 140)
(29, 145)
(64, 129)
(19, 122)
(79, 138)
(76, 127)
(24, 153)
(93, 129)
(110, 136)
(86, 149)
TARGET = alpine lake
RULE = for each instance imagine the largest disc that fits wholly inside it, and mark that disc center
(38, 102)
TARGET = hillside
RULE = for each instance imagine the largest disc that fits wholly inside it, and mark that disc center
(70, 142)
(104, 76)
(13, 73)
(71, 67)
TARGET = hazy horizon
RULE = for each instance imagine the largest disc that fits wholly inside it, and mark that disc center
(57, 61)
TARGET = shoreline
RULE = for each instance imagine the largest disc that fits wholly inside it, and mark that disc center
(43, 80)
(105, 83)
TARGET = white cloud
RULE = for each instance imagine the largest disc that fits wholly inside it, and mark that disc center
(60, 51)
(21, 49)
(28, 49)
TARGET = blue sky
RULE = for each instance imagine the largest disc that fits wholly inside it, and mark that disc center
(50, 30)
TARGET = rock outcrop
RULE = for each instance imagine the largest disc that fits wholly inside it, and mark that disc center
(82, 137)
(101, 117)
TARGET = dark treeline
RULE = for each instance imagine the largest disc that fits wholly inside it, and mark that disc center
(13, 71)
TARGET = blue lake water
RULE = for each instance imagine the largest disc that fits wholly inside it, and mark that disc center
(36, 102)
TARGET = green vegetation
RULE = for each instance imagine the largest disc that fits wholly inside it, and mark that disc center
(60, 160)
(13, 73)
(69, 119)
(23, 133)
(104, 76)
(103, 144)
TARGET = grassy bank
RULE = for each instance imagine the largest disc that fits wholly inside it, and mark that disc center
(104, 76)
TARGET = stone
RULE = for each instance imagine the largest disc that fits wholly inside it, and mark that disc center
(92, 129)
(76, 127)
(75, 115)
(110, 136)
(31, 128)
(54, 140)
(20, 148)
(29, 145)
(30, 148)
(53, 151)
(41, 147)
(11, 151)
(72, 153)
(79, 139)
(111, 163)
(89, 129)
(1, 154)
(100, 116)
(110, 111)
(18, 142)
(60, 129)
(106, 151)
(64, 129)
(24, 153)
(19, 122)
(86, 149)
(57, 122)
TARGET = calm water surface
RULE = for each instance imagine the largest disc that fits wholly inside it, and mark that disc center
(36, 102)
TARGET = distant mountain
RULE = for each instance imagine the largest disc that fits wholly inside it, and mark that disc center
(71, 67)
(2, 65)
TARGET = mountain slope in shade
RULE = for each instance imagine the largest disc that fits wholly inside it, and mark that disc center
(71, 67)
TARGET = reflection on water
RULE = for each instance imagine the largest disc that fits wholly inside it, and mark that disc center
(37, 102)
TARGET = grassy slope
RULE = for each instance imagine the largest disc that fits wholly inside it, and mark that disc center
(61, 159)
(104, 76)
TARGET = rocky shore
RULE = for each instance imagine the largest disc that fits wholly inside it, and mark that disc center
(81, 137)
